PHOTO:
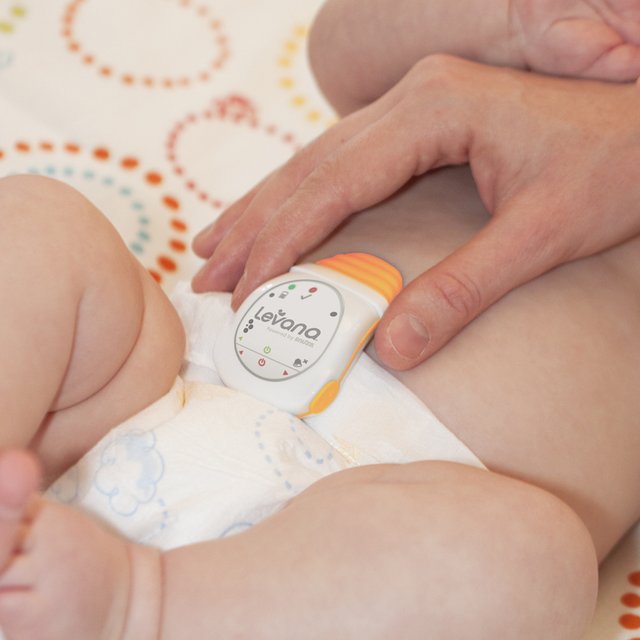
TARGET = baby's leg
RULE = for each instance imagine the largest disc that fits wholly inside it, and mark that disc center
(358, 52)
(430, 549)
(82, 324)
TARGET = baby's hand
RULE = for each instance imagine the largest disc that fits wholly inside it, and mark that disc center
(587, 38)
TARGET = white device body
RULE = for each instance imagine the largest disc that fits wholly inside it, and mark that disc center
(294, 339)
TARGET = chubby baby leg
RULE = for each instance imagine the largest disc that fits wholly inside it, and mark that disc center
(81, 320)
(430, 549)
(388, 551)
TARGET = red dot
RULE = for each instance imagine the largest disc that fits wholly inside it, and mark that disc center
(153, 177)
(101, 153)
(171, 202)
(23, 147)
(629, 621)
(155, 275)
(177, 245)
(630, 600)
(634, 578)
(129, 163)
(178, 225)
(167, 263)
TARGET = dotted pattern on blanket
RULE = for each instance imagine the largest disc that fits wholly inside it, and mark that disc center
(11, 17)
(75, 44)
(100, 168)
(631, 600)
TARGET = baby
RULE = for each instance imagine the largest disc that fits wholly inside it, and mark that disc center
(542, 388)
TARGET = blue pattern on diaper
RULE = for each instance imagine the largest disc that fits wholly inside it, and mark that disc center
(66, 488)
(130, 469)
(294, 427)
(237, 527)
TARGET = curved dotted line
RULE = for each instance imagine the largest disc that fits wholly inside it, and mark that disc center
(631, 600)
(129, 78)
(290, 50)
(235, 109)
(177, 244)
(319, 460)
(16, 12)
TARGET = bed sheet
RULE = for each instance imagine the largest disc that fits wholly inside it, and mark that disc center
(163, 111)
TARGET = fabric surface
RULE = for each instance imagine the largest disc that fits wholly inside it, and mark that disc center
(162, 111)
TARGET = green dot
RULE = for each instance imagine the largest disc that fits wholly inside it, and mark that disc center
(6, 27)
(18, 11)
(291, 287)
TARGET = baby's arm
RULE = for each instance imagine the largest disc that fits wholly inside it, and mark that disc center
(357, 55)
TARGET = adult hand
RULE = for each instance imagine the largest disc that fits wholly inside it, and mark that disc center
(555, 162)
(591, 39)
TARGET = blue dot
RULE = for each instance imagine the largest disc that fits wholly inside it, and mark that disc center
(136, 248)
(89, 175)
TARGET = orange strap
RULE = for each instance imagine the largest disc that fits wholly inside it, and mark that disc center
(369, 270)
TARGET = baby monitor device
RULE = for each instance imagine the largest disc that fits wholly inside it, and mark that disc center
(294, 339)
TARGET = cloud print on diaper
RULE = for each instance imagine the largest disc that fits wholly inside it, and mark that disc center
(129, 472)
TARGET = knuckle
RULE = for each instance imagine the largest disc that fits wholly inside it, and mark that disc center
(459, 293)
(437, 71)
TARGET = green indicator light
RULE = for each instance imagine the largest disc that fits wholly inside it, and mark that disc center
(292, 287)
(267, 349)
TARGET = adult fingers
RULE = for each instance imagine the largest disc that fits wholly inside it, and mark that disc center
(369, 168)
(228, 242)
(206, 240)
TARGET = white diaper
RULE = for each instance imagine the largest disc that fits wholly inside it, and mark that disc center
(205, 461)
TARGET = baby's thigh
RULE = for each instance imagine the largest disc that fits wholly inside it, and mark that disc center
(464, 552)
(127, 342)
(542, 386)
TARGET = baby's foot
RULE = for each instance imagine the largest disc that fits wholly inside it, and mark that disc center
(65, 576)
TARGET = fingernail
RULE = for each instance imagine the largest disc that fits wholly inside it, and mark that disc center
(408, 336)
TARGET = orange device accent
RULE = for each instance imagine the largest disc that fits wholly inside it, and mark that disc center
(374, 272)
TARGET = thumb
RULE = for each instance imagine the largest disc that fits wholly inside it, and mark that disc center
(438, 304)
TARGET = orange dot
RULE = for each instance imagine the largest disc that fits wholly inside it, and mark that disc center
(129, 163)
(74, 46)
(105, 71)
(155, 275)
(101, 153)
(46, 146)
(629, 621)
(167, 263)
(171, 202)
(177, 245)
(153, 177)
(88, 58)
(23, 147)
(178, 225)
(630, 600)
(634, 578)
(71, 147)
(127, 78)
(1, 154)
(148, 81)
